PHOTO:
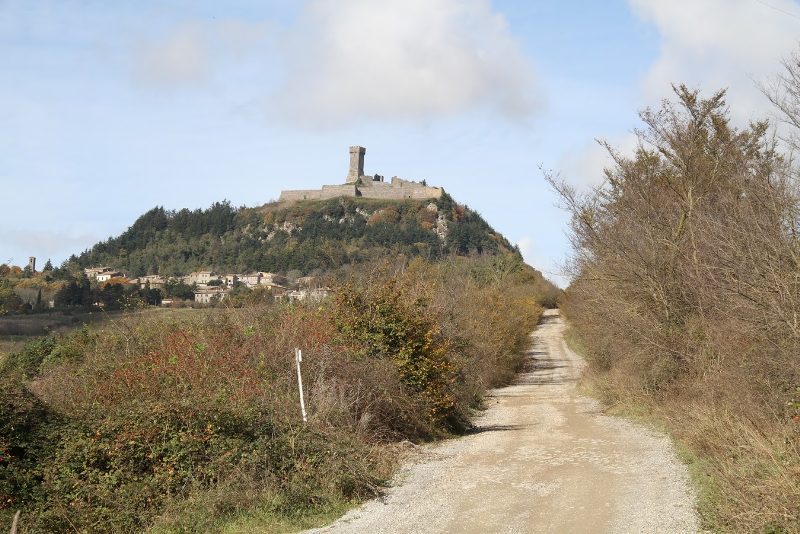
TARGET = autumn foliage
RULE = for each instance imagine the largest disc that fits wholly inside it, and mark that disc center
(686, 297)
(184, 422)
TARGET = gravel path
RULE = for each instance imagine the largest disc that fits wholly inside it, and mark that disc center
(542, 459)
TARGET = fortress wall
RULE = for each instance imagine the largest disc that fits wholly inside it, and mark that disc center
(383, 192)
(333, 191)
(311, 194)
(398, 189)
(395, 193)
(327, 191)
(432, 192)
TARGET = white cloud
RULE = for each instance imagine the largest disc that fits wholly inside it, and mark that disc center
(402, 59)
(42, 244)
(181, 58)
(526, 247)
(548, 267)
(718, 44)
(583, 165)
(193, 51)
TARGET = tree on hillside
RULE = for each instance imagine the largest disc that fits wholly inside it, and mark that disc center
(652, 233)
(177, 288)
(686, 295)
(75, 293)
(10, 301)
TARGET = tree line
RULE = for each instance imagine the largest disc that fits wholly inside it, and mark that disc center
(308, 236)
(685, 293)
(193, 423)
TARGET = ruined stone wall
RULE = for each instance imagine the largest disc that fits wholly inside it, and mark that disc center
(397, 193)
(327, 191)
(397, 190)
(333, 191)
(370, 187)
(290, 196)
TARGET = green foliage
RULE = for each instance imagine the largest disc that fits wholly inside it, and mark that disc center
(47, 351)
(27, 361)
(76, 292)
(189, 423)
(28, 433)
(685, 295)
(177, 288)
(386, 323)
(10, 301)
(306, 236)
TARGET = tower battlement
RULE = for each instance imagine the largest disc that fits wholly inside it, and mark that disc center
(356, 164)
(358, 184)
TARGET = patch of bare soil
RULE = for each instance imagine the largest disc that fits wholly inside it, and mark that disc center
(541, 459)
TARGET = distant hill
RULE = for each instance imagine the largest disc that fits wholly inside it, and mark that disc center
(302, 236)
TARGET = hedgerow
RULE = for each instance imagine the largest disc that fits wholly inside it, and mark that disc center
(186, 424)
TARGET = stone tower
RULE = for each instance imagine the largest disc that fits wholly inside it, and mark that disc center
(356, 164)
(32, 263)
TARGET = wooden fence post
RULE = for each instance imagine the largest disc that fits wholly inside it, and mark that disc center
(299, 358)
(14, 522)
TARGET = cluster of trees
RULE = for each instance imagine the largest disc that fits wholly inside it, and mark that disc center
(304, 237)
(68, 286)
(193, 424)
(687, 296)
(23, 291)
(113, 294)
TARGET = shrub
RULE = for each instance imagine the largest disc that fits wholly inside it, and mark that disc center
(185, 423)
(685, 295)
(385, 323)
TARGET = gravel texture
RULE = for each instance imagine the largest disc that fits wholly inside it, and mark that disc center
(541, 459)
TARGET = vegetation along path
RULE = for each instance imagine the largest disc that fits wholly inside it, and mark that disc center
(541, 459)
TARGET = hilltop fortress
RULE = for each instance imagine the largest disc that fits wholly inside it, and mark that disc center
(358, 184)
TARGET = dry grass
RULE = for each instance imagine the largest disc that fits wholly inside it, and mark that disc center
(743, 451)
(188, 420)
(47, 323)
(747, 460)
(9, 344)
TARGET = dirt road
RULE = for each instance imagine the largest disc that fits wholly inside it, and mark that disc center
(542, 459)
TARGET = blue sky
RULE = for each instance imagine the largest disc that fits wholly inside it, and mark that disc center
(108, 109)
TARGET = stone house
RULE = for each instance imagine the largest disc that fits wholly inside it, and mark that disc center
(250, 280)
(155, 281)
(201, 278)
(108, 275)
(206, 295)
(92, 272)
(272, 279)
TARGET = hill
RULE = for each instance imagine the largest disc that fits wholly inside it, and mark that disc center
(299, 236)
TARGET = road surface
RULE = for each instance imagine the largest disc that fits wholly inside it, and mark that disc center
(541, 459)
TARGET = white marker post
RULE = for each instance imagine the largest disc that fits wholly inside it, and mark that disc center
(299, 358)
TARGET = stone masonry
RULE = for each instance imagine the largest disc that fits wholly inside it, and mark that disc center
(360, 185)
(356, 164)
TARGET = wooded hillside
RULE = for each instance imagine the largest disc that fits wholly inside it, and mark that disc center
(304, 236)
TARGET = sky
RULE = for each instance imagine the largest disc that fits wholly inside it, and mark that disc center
(108, 109)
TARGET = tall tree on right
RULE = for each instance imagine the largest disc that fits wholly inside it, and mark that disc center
(686, 289)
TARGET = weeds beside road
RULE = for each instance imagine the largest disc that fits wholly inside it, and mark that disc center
(193, 423)
(542, 458)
